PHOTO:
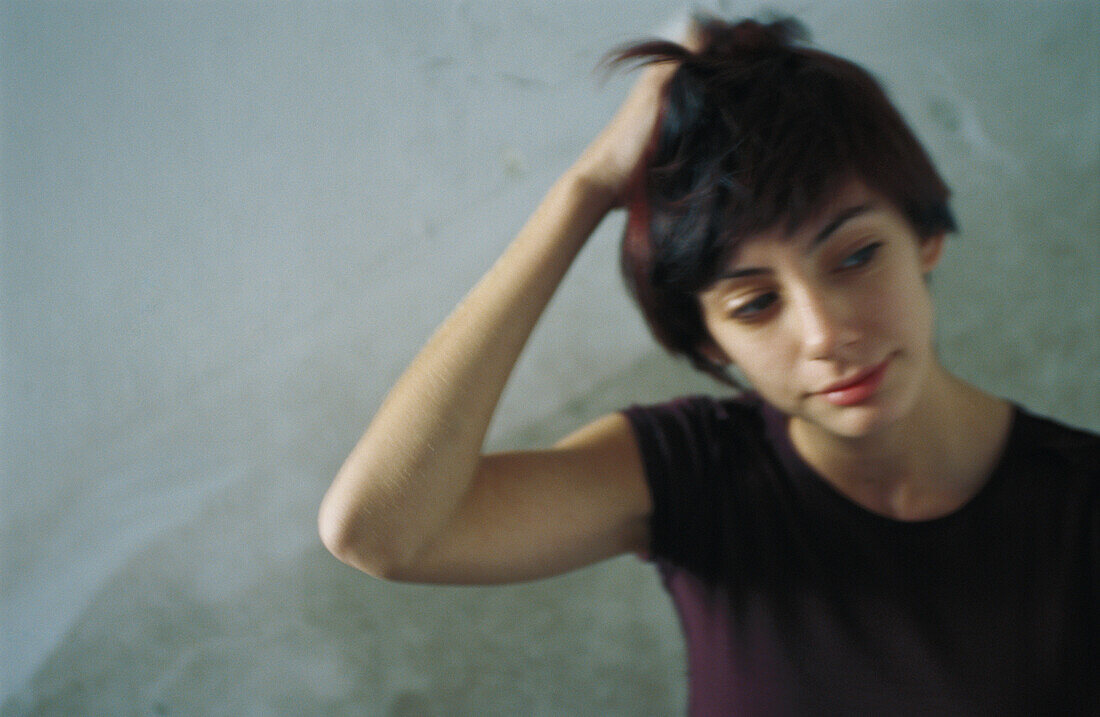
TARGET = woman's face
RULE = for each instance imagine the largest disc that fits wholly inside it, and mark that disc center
(831, 324)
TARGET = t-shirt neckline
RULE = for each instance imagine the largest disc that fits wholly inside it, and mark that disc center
(775, 426)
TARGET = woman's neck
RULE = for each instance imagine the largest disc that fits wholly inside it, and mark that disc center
(924, 466)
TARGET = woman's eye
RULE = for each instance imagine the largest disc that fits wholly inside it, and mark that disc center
(755, 307)
(860, 257)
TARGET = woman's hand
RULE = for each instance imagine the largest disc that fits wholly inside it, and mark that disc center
(609, 163)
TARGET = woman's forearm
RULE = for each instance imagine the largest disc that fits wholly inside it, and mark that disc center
(410, 470)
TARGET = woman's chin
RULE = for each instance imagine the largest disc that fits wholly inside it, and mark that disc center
(853, 422)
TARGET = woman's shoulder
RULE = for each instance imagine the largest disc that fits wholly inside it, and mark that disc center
(697, 430)
(1054, 442)
(739, 407)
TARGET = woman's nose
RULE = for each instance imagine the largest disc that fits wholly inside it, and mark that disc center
(826, 323)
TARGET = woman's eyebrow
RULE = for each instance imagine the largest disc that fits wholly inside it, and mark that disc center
(834, 224)
(838, 221)
(738, 273)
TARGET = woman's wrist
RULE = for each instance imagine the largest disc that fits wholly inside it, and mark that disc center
(591, 187)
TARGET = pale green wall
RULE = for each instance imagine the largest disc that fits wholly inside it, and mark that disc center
(227, 226)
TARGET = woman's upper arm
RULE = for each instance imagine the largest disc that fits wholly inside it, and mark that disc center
(532, 514)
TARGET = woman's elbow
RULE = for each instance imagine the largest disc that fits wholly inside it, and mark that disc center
(342, 536)
(332, 525)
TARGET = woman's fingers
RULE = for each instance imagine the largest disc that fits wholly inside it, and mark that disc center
(611, 160)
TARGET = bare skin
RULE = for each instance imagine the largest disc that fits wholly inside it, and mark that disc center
(417, 500)
(802, 312)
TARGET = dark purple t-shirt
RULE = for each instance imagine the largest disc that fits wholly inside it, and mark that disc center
(796, 600)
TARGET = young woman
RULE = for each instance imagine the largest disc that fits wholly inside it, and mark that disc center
(863, 532)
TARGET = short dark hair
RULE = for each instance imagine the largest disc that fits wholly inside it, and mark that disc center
(756, 130)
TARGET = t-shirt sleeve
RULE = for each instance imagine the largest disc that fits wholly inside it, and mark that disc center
(685, 450)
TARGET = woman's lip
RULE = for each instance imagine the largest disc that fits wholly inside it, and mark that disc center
(858, 388)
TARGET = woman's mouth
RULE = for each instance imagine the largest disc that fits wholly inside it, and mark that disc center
(858, 388)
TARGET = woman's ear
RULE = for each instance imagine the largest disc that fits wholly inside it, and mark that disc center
(931, 249)
(713, 353)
